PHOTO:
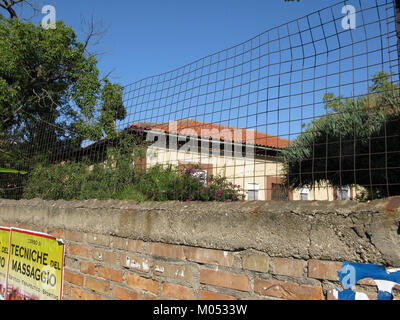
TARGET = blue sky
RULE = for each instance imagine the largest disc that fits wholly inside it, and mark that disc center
(276, 89)
(149, 37)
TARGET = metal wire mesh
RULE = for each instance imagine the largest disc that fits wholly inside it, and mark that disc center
(254, 113)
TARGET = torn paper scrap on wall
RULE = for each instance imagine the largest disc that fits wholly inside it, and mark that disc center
(352, 273)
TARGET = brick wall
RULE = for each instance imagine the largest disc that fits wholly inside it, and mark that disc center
(106, 265)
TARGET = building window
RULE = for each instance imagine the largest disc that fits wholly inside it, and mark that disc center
(253, 191)
(343, 193)
(279, 192)
(304, 194)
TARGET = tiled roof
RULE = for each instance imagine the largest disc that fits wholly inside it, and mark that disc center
(193, 127)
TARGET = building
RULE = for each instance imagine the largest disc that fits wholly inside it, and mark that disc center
(248, 158)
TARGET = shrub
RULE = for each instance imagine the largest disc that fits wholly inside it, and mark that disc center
(167, 183)
(220, 189)
(81, 180)
(76, 181)
(116, 179)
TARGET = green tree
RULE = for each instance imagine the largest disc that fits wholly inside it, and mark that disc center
(357, 142)
(52, 97)
(47, 77)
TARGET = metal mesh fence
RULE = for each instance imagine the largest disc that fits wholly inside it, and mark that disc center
(308, 110)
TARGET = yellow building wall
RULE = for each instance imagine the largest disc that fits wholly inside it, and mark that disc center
(239, 171)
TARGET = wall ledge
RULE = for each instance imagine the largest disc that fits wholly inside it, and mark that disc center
(337, 231)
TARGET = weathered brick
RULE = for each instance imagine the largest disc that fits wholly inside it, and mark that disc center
(210, 295)
(97, 285)
(87, 268)
(287, 290)
(58, 233)
(135, 263)
(138, 282)
(75, 236)
(78, 250)
(288, 267)
(256, 262)
(182, 272)
(327, 270)
(98, 239)
(225, 279)
(177, 291)
(166, 250)
(106, 256)
(126, 244)
(209, 256)
(66, 290)
(124, 294)
(79, 294)
(71, 263)
(330, 295)
(110, 274)
(368, 282)
(73, 278)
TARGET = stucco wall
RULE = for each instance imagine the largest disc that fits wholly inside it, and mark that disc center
(240, 171)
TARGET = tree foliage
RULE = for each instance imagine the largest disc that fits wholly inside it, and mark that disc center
(357, 142)
(46, 76)
(117, 179)
(52, 97)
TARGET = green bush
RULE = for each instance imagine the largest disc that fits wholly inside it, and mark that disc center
(116, 179)
(220, 189)
(163, 184)
(81, 180)
(77, 181)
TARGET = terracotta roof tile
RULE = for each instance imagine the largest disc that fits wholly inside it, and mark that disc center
(193, 127)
